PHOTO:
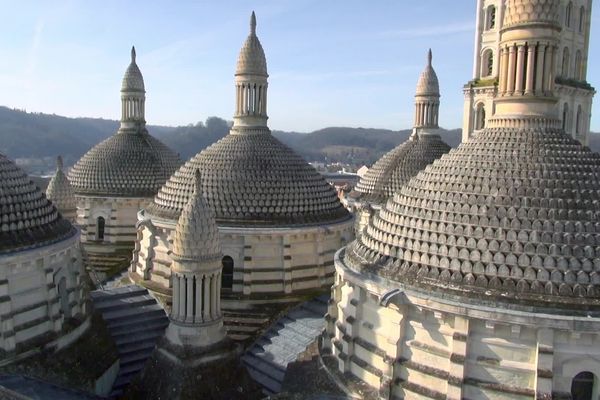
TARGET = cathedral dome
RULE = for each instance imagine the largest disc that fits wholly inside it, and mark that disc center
(252, 179)
(512, 214)
(60, 191)
(27, 218)
(252, 60)
(396, 167)
(428, 84)
(133, 81)
(124, 165)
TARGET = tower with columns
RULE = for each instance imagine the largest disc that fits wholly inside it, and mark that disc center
(427, 98)
(532, 62)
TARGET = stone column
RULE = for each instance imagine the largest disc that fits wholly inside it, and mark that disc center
(198, 315)
(503, 70)
(189, 315)
(456, 371)
(544, 363)
(520, 67)
(553, 68)
(539, 78)
(530, 69)
(548, 67)
(510, 76)
(182, 288)
(175, 307)
(213, 296)
(478, 30)
(206, 289)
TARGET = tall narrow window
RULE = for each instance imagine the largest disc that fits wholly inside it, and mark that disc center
(565, 63)
(490, 20)
(578, 121)
(568, 12)
(487, 63)
(100, 228)
(480, 117)
(565, 117)
(578, 73)
(582, 386)
(227, 274)
(581, 18)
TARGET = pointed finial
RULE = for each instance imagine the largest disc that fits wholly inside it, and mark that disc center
(59, 163)
(133, 54)
(253, 24)
(429, 57)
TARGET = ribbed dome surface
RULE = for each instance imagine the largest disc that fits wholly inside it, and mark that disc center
(252, 60)
(512, 213)
(252, 179)
(27, 218)
(527, 11)
(60, 191)
(428, 84)
(124, 165)
(133, 81)
(196, 235)
(400, 164)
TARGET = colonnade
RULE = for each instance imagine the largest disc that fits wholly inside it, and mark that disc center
(132, 109)
(427, 114)
(251, 99)
(527, 68)
(196, 297)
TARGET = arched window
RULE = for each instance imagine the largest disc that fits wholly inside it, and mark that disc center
(565, 63)
(568, 12)
(565, 117)
(581, 18)
(100, 228)
(582, 386)
(480, 117)
(487, 63)
(578, 121)
(490, 18)
(577, 73)
(227, 273)
(65, 308)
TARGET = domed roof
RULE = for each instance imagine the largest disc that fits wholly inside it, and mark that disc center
(252, 179)
(59, 189)
(27, 218)
(196, 235)
(428, 84)
(252, 60)
(133, 81)
(512, 215)
(400, 164)
(124, 165)
(527, 11)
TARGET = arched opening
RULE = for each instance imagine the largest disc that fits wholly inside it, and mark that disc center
(581, 18)
(565, 63)
(565, 117)
(582, 386)
(490, 18)
(480, 117)
(64, 297)
(227, 273)
(568, 12)
(578, 122)
(100, 228)
(577, 74)
(487, 63)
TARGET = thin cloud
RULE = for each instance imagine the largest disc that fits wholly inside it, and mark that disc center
(421, 32)
(32, 56)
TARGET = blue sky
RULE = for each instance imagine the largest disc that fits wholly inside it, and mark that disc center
(331, 63)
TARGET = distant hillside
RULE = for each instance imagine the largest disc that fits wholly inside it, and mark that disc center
(42, 137)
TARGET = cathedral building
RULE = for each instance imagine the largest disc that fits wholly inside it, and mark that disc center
(41, 275)
(60, 193)
(117, 177)
(396, 167)
(480, 278)
(280, 222)
(568, 62)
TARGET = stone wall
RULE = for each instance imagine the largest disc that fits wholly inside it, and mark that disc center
(411, 344)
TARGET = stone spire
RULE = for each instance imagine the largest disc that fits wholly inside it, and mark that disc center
(133, 98)
(61, 193)
(427, 98)
(251, 85)
(528, 49)
(196, 317)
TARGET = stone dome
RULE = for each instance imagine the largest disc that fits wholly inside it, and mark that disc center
(527, 12)
(124, 165)
(252, 60)
(59, 189)
(397, 166)
(27, 218)
(196, 235)
(133, 81)
(428, 84)
(512, 215)
(252, 179)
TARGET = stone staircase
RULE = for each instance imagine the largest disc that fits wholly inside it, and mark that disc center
(135, 321)
(267, 359)
(242, 326)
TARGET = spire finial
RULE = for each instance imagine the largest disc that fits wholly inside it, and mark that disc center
(429, 57)
(253, 24)
(133, 54)
(59, 163)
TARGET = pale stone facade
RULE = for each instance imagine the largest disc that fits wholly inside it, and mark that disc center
(41, 275)
(570, 63)
(279, 221)
(118, 177)
(60, 193)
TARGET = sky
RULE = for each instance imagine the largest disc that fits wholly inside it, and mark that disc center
(331, 62)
